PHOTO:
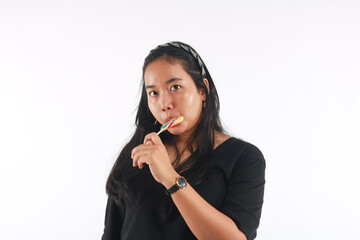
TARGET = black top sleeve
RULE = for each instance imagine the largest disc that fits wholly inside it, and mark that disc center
(113, 220)
(245, 191)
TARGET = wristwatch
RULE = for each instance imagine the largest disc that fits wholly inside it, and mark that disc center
(180, 183)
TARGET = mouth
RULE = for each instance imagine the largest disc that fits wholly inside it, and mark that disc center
(171, 122)
(169, 118)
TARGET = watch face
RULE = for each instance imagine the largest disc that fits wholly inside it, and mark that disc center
(181, 182)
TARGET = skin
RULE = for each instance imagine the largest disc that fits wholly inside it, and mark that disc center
(171, 93)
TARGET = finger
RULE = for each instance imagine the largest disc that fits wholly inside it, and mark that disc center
(153, 138)
(141, 160)
(147, 138)
(140, 157)
(141, 147)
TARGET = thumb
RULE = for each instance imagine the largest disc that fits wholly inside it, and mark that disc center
(153, 139)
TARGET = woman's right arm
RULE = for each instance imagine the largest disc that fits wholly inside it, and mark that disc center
(114, 216)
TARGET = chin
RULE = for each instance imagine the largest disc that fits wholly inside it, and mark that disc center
(177, 130)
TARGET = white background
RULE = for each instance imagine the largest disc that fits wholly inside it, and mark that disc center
(287, 73)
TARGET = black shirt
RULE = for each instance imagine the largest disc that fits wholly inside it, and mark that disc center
(234, 185)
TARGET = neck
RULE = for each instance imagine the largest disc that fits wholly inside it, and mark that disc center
(181, 141)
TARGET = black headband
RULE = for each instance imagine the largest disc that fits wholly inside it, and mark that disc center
(189, 50)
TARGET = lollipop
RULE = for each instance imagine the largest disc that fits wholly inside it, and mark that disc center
(171, 123)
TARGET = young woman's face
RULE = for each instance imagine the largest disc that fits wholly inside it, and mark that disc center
(171, 92)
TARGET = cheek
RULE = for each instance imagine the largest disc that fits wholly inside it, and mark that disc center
(191, 101)
(191, 107)
(152, 107)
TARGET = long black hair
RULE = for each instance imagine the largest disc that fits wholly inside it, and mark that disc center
(118, 185)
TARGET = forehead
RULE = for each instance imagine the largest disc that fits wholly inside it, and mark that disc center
(161, 70)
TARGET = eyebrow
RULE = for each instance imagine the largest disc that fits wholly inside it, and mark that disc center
(167, 82)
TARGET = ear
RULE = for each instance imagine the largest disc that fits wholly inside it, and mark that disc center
(206, 82)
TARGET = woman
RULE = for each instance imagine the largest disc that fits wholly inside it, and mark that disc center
(192, 181)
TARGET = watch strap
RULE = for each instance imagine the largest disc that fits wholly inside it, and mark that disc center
(172, 190)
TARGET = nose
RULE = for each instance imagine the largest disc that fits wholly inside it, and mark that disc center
(166, 101)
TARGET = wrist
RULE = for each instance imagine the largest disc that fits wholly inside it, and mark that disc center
(179, 184)
(171, 180)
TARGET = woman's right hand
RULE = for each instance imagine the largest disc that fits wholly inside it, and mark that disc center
(155, 155)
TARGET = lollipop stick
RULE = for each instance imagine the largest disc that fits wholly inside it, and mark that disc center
(169, 124)
(158, 133)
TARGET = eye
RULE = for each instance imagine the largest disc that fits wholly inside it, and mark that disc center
(175, 87)
(153, 93)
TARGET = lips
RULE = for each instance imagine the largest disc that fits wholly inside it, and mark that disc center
(168, 119)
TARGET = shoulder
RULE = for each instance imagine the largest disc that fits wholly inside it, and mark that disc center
(220, 138)
(236, 146)
(243, 167)
(235, 153)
